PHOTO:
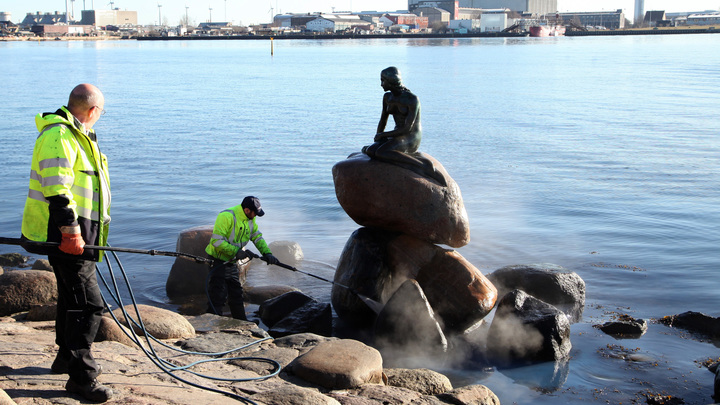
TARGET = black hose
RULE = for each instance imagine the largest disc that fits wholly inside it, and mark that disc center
(163, 364)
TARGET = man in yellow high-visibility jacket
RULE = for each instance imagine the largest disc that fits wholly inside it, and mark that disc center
(233, 229)
(69, 202)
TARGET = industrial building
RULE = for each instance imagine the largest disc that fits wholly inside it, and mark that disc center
(535, 7)
(103, 18)
(337, 22)
(612, 20)
(44, 19)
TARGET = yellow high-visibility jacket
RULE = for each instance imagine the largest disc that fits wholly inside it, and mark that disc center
(69, 184)
(232, 231)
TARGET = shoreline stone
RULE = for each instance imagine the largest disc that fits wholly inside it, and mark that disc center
(135, 379)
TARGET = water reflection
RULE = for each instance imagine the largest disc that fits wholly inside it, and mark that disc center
(544, 377)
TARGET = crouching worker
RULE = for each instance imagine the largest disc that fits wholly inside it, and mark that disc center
(234, 228)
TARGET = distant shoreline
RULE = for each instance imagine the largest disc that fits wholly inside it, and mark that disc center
(649, 31)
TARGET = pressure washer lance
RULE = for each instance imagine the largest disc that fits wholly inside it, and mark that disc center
(21, 242)
(372, 304)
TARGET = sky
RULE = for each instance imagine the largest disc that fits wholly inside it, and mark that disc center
(245, 12)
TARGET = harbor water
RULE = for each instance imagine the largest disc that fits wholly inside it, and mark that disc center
(598, 154)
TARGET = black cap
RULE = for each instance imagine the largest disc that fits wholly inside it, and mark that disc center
(253, 204)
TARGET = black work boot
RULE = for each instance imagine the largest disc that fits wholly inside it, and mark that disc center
(92, 391)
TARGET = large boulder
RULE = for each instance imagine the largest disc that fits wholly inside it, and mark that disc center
(21, 290)
(458, 292)
(259, 294)
(188, 277)
(526, 330)
(550, 283)
(695, 322)
(158, 322)
(313, 317)
(376, 263)
(339, 364)
(385, 196)
(422, 380)
(275, 309)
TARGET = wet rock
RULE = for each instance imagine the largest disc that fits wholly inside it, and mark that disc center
(20, 290)
(695, 322)
(407, 323)
(471, 395)
(526, 330)
(375, 263)
(158, 322)
(385, 196)
(291, 395)
(274, 310)
(42, 313)
(339, 364)
(362, 267)
(422, 380)
(42, 264)
(550, 283)
(313, 317)
(109, 330)
(13, 260)
(625, 327)
(260, 294)
(458, 292)
(188, 277)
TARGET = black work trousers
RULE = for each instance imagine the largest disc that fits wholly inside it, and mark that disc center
(224, 285)
(79, 311)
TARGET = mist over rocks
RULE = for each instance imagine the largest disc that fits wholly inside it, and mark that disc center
(407, 325)
(385, 196)
(526, 330)
(548, 282)
(376, 263)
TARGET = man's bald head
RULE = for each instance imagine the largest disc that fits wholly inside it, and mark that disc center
(86, 103)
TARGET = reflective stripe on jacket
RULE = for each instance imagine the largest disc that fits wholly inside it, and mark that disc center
(232, 231)
(67, 162)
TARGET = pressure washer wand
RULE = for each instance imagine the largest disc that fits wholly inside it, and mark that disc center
(20, 242)
(372, 304)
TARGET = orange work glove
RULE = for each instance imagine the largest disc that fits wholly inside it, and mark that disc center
(72, 241)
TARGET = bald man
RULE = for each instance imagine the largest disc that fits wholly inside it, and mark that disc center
(69, 202)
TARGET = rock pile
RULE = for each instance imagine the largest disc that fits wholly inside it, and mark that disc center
(404, 216)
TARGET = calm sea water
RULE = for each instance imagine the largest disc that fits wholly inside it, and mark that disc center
(598, 154)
